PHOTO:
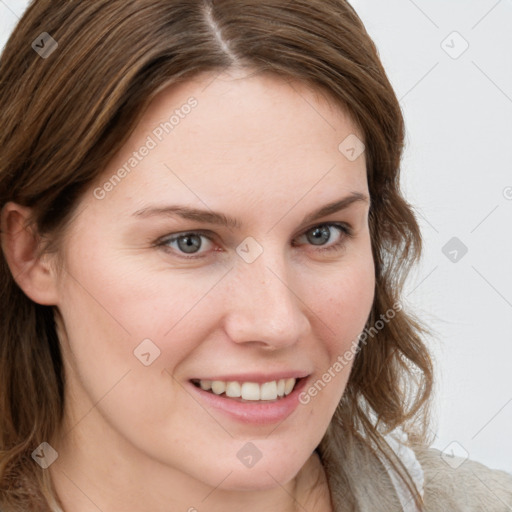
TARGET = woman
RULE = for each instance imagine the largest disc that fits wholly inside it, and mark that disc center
(175, 335)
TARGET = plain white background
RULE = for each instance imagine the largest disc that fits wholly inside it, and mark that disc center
(451, 66)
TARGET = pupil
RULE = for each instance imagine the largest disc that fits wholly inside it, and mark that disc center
(191, 242)
(318, 233)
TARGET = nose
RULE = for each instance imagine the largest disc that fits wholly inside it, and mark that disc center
(264, 309)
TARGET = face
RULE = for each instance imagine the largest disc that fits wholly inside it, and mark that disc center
(155, 298)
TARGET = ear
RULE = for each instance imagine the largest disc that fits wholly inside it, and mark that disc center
(20, 244)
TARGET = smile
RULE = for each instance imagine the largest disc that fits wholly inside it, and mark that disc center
(264, 404)
(249, 391)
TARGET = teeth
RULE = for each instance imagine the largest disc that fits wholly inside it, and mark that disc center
(280, 387)
(218, 387)
(250, 390)
(205, 384)
(288, 386)
(233, 390)
(269, 391)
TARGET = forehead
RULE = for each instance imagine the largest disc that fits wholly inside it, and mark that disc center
(237, 135)
(258, 104)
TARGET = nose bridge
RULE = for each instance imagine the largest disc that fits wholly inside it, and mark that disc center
(263, 306)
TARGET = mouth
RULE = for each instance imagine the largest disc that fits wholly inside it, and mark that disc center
(258, 399)
(249, 391)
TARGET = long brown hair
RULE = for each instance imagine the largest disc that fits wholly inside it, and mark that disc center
(63, 117)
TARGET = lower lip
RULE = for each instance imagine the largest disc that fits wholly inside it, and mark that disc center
(256, 413)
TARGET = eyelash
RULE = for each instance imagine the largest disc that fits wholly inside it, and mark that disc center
(346, 231)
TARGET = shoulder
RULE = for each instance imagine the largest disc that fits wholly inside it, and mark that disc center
(463, 485)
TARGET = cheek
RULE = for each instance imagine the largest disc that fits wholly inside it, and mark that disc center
(130, 298)
(356, 293)
(345, 303)
(111, 309)
(347, 300)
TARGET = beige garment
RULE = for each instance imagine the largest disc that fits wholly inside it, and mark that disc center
(470, 487)
(450, 483)
(446, 485)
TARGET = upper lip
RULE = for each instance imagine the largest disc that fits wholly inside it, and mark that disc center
(257, 377)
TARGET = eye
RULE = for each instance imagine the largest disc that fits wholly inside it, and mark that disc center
(190, 243)
(186, 243)
(321, 234)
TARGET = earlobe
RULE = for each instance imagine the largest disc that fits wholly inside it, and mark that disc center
(20, 245)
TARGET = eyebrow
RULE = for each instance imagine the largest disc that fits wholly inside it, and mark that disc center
(217, 218)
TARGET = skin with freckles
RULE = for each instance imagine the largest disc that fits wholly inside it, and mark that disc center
(135, 437)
